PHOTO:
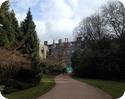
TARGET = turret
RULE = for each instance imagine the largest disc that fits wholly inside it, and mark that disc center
(46, 43)
(60, 41)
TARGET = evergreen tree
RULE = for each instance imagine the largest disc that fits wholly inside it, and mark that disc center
(29, 35)
(3, 32)
(7, 31)
(30, 39)
(15, 25)
(5, 6)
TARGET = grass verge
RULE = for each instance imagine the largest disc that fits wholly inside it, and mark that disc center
(46, 84)
(114, 88)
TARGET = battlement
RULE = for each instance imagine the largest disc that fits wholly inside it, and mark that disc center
(60, 51)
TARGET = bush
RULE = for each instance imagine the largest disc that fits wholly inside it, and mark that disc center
(22, 79)
(13, 85)
(57, 69)
(52, 69)
(25, 75)
(99, 61)
(7, 72)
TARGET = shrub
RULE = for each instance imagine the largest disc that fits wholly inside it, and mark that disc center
(25, 75)
(7, 72)
(13, 85)
(52, 69)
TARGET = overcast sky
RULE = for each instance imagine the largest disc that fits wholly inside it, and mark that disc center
(56, 19)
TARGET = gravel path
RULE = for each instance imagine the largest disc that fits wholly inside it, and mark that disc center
(68, 88)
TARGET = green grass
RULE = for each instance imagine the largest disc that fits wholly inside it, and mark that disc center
(115, 89)
(46, 84)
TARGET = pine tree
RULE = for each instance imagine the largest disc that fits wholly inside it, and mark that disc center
(4, 13)
(5, 6)
(7, 30)
(29, 35)
(30, 39)
(15, 25)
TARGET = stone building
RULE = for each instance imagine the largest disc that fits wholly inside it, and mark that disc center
(43, 51)
(59, 53)
(62, 51)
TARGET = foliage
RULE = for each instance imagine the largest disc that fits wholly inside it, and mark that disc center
(22, 39)
(22, 79)
(30, 41)
(102, 55)
(51, 69)
(45, 85)
(25, 75)
(13, 86)
(29, 35)
(9, 26)
(6, 72)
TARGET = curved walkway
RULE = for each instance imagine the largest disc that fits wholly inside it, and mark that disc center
(68, 88)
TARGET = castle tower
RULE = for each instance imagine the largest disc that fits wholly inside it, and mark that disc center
(46, 43)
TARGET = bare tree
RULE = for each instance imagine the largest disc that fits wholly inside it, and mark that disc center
(91, 28)
(114, 13)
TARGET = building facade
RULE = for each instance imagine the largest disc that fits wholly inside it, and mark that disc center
(63, 50)
(59, 53)
(43, 51)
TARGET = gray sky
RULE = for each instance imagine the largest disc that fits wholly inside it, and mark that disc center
(56, 19)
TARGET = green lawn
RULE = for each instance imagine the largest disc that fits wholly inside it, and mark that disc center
(113, 88)
(46, 84)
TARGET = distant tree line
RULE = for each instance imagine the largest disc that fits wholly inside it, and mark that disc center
(102, 53)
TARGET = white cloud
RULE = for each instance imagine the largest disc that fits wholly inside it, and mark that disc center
(20, 16)
(62, 16)
(41, 29)
(55, 9)
(25, 3)
(57, 18)
(74, 3)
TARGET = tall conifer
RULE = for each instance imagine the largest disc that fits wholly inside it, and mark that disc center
(29, 35)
